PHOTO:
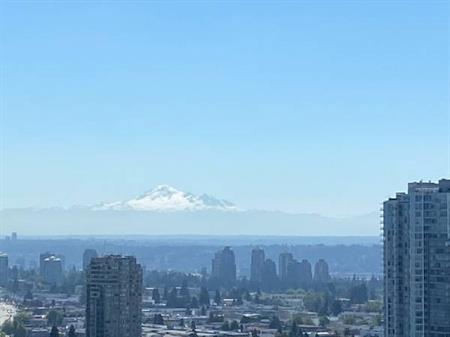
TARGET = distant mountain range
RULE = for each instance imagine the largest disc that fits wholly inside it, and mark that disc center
(165, 198)
(165, 210)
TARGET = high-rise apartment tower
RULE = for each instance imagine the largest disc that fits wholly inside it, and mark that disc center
(224, 266)
(114, 297)
(257, 265)
(416, 231)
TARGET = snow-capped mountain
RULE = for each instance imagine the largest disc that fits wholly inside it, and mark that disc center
(164, 198)
(168, 211)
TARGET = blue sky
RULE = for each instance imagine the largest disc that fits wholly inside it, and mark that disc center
(325, 107)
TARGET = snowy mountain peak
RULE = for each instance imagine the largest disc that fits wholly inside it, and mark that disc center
(165, 198)
(162, 190)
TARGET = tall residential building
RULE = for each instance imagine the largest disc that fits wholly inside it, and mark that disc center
(52, 270)
(283, 261)
(3, 269)
(224, 266)
(416, 231)
(88, 255)
(42, 257)
(306, 272)
(321, 272)
(269, 278)
(114, 297)
(257, 265)
(46, 255)
(299, 273)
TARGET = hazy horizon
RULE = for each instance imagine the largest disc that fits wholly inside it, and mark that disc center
(321, 108)
(214, 168)
(95, 206)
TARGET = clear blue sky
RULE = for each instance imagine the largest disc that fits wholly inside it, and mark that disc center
(320, 106)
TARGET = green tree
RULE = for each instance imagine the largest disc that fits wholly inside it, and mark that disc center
(377, 320)
(203, 311)
(156, 296)
(172, 300)
(336, 307)
(257, 298)
(225, 326)
(217, 297)
(194, 302)
(294, 329)
(234, 326)
(349, 319)
(71, 331)
(54, 332)
(204, 296)
(158, 319)
(313, 301)
(324, 321)
(374, 306)
(358, 294)
(54, 318)
(275, 323)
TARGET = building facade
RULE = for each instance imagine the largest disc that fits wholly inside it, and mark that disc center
(52, 270)
(114, 297)
(46, 255)
(416, 233)
(269, 278)
(42, 258)
(88, 255)
(257, 265)
(283, 261)
(224, 266)
(299, 274)
(3, 269)
(321, 272)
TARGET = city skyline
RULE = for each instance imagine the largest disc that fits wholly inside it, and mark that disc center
(297, 107)
(412, 294)
(214, 168)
